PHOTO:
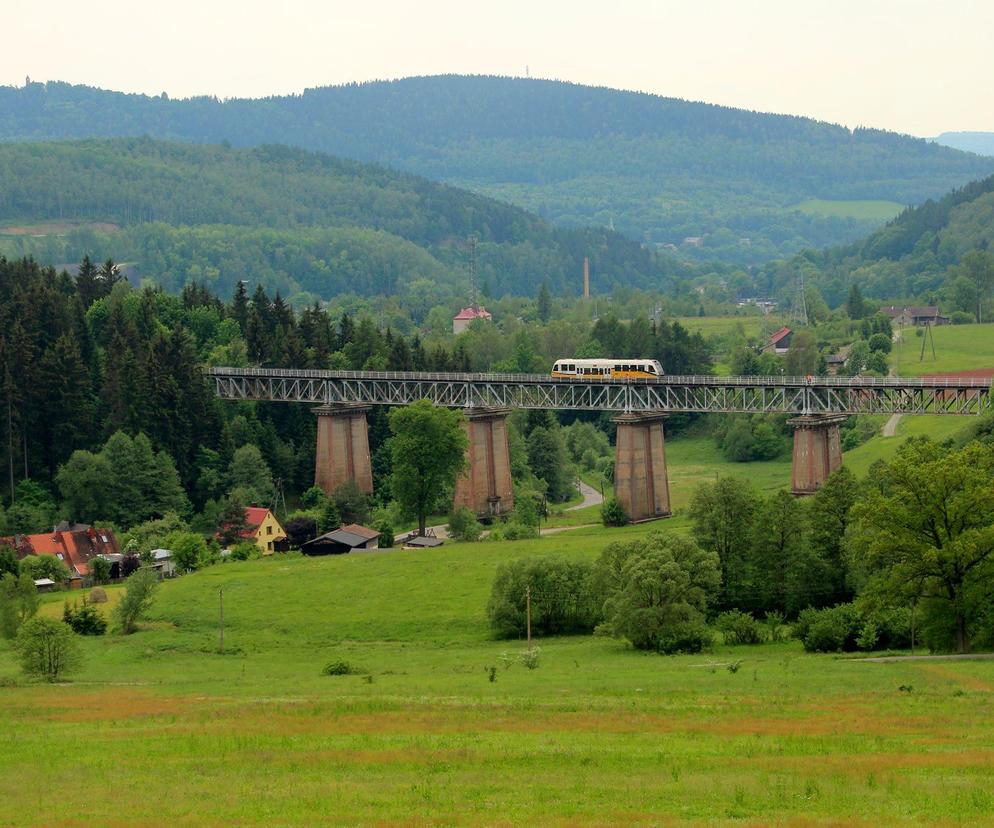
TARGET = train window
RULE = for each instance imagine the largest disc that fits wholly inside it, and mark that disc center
(650, 368)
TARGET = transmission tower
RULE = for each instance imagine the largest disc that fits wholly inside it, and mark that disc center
(799, 305)
(473, 298)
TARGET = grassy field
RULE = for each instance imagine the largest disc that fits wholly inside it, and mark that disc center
(957, 348)
(160, 728)
(721, 325)
(859, 209)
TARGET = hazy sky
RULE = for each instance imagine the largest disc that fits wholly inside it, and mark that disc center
(918, 66)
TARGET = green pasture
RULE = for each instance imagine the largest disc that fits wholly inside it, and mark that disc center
(871, 209)
(722, 325)
(161, 728)
(957, 348)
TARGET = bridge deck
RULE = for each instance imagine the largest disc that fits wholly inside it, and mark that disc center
(788, 395)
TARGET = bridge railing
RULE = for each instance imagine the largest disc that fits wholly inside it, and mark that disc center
(669, 379)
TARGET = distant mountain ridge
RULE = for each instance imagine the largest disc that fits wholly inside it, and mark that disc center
(982, 143)
(294, 220)
(660, 170)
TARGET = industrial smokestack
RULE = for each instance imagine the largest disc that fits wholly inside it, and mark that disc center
(586, 277)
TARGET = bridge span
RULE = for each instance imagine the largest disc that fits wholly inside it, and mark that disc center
(817, 405)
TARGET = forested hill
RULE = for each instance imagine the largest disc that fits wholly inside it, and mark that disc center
(936, 251)
(660, 170)
(296, 221)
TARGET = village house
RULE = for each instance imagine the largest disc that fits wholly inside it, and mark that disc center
(75, 545)
(467, 316)
(263, 528)
(903, 316)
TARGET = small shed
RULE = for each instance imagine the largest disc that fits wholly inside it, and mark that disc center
(342, 540)
(420, 542)
(162, 560)
(44, 584)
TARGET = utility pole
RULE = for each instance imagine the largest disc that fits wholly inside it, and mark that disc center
(528, 613)
(220, 599)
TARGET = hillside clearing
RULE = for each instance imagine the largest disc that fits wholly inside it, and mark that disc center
(871, 209)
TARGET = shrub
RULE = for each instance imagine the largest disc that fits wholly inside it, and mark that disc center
(18, 602)
(519, 531)
(244, 551)
(299, 529)
(139, 593)
(464, 526)
(385, 528)
(84, 620)
(830, 630)
(47, 648)
(961, 318)
(880, 342)
(528, 509)
(338, 668)
(774, 625)
(129, 565)
(613, 513)
(687, 637)
(739, 628)
(561, 598)
(313, 498)
(189, 550)
(98, 595)
(99, 569)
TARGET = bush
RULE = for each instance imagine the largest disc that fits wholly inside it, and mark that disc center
(98, 595)
(244, 551)
(739, 628)
(338, 668)
(613, 513)
(47, 648)
(464, 526)
(830, 630)
(561, 597)
(313, 498)
(774, 625)
(528, 509)
(189, 550)
(962, 318)
(880, 342)
(139, 593)
(99, 569)
(849, 627)
(519, 531)
(299, 529)
(687, 637)
(84, 620)
(385, 528)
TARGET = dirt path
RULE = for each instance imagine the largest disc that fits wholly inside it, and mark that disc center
(890, 427)
(591, 497)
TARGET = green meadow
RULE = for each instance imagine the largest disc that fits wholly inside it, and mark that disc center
(957, 348)
(161, 728)
(871, 209)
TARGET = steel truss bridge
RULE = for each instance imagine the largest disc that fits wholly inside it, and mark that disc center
(754, 395)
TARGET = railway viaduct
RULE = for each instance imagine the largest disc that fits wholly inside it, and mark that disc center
(818, 405)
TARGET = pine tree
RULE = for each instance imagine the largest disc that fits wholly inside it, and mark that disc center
(240, 306)
(544, 303)
(88, 286)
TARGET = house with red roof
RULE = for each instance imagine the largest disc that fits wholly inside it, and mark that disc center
(779, 342)
(467, 316)
(75, 545)
(264, 529)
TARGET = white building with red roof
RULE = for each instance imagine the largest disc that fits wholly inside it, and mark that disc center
(467, 316)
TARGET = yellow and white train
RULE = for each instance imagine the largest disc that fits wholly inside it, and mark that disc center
(607, 368)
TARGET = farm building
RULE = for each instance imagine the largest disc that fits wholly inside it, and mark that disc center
(342, 540)
(779, 342)
(75, 545)
(927, 315)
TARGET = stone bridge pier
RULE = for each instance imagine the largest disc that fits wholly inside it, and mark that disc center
(342, 448)
(640, 480)
(817, 451)
(485, 487)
